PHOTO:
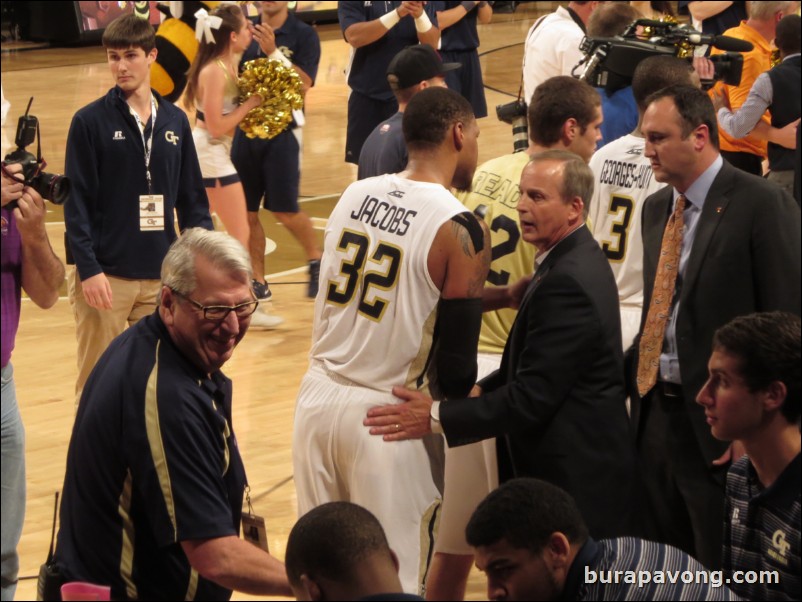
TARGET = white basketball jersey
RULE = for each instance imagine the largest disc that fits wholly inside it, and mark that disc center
(377, 305)
(623, 180)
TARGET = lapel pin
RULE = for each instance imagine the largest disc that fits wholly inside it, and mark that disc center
(718, 209)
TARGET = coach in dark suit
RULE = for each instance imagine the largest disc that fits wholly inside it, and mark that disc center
(739, 252)
(557, 400)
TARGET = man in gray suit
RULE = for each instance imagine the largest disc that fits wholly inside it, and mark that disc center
(738, 252)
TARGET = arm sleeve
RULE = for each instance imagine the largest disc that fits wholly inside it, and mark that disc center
(350, 13)
(81, 167)
(180, 474)
(458, 325)
(192, 203)
(752, 69)
(739, 123)
(561, 327)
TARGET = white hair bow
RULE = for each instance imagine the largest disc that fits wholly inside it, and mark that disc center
(204, 25)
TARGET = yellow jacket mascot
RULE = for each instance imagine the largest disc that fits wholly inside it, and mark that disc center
(177, 47)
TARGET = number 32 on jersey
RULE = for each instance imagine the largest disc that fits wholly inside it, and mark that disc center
(364, 274)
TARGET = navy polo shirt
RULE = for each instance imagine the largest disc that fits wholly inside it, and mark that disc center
(762, 530)
(152, 462)
(462, 35)
(296, 40)
(368, 74)
(385, 150)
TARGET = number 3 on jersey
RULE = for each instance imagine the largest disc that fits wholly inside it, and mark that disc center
(622, 207)
(386, 258)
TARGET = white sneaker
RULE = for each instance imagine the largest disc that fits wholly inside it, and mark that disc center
(261, 320)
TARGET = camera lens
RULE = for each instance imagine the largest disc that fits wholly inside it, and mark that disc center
(53, 187)
(520, 134)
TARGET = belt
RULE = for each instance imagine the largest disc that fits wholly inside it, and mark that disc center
(669, 389)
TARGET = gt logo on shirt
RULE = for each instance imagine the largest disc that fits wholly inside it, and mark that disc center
(781, 547)
(171, 137)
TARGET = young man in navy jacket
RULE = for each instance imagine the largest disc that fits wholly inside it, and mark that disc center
(133, 165)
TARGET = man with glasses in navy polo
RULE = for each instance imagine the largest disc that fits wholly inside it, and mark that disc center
(153, 493)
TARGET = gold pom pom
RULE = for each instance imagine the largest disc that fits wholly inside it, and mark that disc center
(280, 87)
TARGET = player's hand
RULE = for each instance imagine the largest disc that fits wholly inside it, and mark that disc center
(265, 37)
(97, 291)
(731, 456)
(415, 9)
(13, 186)
(401, 421)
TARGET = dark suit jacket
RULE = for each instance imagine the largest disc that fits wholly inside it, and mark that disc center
(558, 397)
(745, 258)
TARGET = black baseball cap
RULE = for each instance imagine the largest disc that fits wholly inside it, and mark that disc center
(416, 63)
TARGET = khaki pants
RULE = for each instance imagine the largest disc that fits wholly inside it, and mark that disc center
(96, 328)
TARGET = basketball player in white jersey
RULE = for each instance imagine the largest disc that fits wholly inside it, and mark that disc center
(565, 114)
(623, 181)
(402, 260)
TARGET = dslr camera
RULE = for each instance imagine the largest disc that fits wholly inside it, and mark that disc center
(514, 113)
(52, 187)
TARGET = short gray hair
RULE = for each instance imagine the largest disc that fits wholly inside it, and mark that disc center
(765, 10)
(577, 176)
(222, 251)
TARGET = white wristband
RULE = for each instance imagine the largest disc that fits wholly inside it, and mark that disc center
(422, 23)
(390, 19)
(277, 55)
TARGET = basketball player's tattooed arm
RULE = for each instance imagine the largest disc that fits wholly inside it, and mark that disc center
(473, 237)
(458, 262)
(459, 316)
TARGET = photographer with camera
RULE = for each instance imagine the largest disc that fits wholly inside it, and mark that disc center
(133, 165)
(552, 44)
(776, 90)
(759, 29)
(618, 104)
(28, 263)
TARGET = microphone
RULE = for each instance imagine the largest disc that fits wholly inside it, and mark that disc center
(598, 57)
(727, 43)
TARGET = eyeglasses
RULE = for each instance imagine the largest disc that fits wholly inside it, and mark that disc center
(218, 313)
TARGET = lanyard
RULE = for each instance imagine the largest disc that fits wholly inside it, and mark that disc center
(149, 142)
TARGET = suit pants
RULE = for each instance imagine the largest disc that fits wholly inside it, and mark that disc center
(684, 498)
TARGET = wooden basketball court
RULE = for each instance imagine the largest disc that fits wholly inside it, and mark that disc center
(267, 366)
